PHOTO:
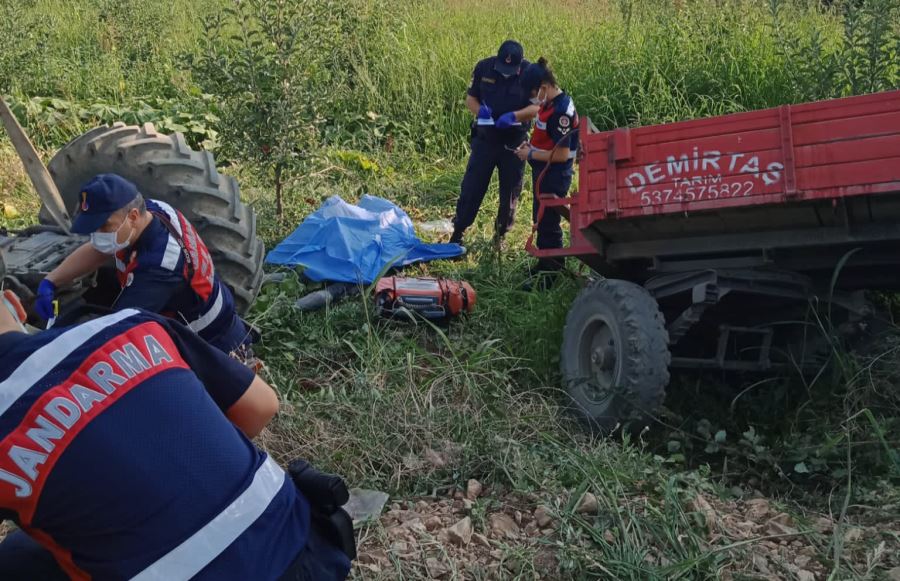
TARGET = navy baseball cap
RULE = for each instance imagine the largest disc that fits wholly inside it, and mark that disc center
(509, 58)
(100, 197)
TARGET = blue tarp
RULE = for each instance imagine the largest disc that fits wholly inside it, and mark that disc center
(341, 242)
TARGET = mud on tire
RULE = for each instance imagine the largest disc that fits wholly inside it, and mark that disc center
(164, 167)
(615, 356)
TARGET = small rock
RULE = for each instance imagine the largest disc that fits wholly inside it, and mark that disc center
(435, 568)
(531, 529)
(502, 525)
(436, 459)
(542, 516)
(852, 535)
(422, 506)
(400, 547)
(415, 525)
(824, 525)
(461, 532)
(781, 524)
(701, 505)
(433, 523)
(587, 504)
(762, 565)
(405, 516)
(609, 537)
(467, 504)
(802, 561)
(517, 515)
(473, 489)
(758, 508)
(894, 574)
(481, 540)
(804, 575)
(784, 519)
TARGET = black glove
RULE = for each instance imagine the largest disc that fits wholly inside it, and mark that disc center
(326, 493)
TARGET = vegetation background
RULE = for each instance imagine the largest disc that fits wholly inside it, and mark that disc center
(306, 99)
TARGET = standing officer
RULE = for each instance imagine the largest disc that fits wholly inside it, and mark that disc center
(163, 265)
(551, 154)
(502, 115)
(125, 453)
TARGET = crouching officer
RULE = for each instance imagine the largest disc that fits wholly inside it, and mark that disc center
(162, 264)
(125, 453)
(502, 113)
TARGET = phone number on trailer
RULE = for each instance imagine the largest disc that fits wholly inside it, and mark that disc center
(697, 192)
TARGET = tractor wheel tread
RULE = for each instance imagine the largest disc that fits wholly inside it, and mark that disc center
(644, 353)
(165, 167)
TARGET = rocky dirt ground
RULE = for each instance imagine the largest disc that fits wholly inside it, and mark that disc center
(475, 534)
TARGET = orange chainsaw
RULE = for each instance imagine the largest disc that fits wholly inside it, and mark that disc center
(435, 299)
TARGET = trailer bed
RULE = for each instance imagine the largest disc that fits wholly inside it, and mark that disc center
(823, 174)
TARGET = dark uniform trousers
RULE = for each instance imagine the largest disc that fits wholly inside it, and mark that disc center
(549, 229)
(489, 151)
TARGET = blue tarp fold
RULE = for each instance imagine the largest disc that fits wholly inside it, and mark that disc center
(341, 242)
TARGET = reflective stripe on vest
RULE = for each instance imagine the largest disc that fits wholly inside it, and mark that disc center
(201, 548)
(198, 271)
(45, 359)
(209, 316)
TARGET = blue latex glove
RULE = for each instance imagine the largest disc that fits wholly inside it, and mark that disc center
(43, 304)
(484, 112)
(506, 120)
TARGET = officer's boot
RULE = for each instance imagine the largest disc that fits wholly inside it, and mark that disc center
(544, 275)
(457, 236)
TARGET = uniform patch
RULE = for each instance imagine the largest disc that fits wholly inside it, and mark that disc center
(564, 121)
(488, 80)
(84, 204)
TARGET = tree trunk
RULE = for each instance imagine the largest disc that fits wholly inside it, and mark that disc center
(279, 206)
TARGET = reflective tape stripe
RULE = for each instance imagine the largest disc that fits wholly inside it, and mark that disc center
(201, 548)
(173, 249)
(209, 316)
(45, 359)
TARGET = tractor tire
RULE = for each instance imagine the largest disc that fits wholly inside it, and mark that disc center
(165, 168)
(615, 356)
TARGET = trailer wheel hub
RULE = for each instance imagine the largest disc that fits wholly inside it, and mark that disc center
(599, 358)
(604, 358)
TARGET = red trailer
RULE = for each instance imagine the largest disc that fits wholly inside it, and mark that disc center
(712, 238)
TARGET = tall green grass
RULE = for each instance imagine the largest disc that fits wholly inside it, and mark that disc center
(625, 62)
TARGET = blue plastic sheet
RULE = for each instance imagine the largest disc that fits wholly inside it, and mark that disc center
(341, 242)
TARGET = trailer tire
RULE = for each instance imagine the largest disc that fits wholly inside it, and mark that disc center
(164, 167)
(615, 356)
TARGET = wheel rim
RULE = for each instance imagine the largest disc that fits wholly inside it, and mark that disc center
(598, 360)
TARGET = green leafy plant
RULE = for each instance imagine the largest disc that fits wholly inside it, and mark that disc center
(269, 63)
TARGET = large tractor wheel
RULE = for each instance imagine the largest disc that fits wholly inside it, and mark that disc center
(164, 167)
(615, 355)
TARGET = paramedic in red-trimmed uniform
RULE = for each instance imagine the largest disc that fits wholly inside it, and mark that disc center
(162, 264)
(554, 141)
(125, 453)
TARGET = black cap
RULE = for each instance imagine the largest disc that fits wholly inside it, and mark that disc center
(532, 77)
(509, 58)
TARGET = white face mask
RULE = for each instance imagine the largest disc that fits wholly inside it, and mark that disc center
(14, 312)
(537, 99)
(108, 242)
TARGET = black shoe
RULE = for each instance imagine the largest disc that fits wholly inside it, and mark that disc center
(456, 237)
(540, 281)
